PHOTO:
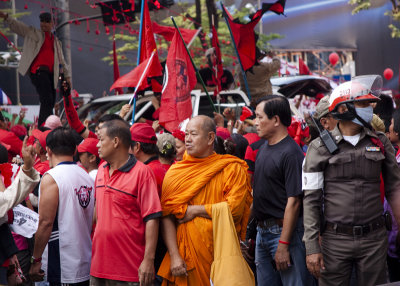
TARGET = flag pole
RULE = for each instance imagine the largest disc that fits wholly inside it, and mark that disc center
(142, 77)
(194, 66)
(237, 52)
(194, 37)
(138, 56)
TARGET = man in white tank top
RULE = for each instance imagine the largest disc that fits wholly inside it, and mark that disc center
(62, 251)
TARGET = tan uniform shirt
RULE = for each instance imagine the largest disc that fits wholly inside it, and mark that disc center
(348, 182)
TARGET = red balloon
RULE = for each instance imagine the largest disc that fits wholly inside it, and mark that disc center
(388, 73)
(333, 58)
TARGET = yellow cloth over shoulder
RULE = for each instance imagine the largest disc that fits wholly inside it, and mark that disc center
(229, 267)
(206, 181)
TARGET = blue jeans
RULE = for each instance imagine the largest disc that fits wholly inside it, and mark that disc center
(266, 245)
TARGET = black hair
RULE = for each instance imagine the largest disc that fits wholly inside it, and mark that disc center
(3, 154)
(147, 148)
(97, 158)
(313, 131)
(396, 121)
(2, 116)
(120, 129)
(384, 109)
(219, 145)
(279, 106)
(109, 117)
(60, 143)
(241, 144)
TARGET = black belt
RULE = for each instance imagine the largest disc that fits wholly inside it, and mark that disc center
(356, 230)
(43, 69)
(270, 222)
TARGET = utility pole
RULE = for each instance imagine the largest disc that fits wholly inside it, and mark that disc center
(16, 70)
(64, 33)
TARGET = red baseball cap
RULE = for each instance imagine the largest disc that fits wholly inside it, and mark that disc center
(89, 145)
(143, 132)
(41, 136)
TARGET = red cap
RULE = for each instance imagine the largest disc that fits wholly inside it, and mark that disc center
(178, 134)
(41, 136)
(89, 145)
(223, 133)
(18, 130)
(143, 132)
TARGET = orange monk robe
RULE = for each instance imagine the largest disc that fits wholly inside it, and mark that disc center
(204, 181)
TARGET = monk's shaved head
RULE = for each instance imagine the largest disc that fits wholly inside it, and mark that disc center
(200, 136)
(207, 123)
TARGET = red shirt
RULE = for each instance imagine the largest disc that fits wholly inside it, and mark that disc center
(42, 167)
(158, 171)
(124, 203)
(45, 56)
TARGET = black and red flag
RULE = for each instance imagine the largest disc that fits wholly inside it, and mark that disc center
(176, 100)
(243, 34)
(148, 45)
(217, 66)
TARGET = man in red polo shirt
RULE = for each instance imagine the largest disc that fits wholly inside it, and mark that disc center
(144, 148)
(128, 211)
(41, 59)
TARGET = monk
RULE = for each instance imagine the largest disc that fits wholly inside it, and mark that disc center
(190, 188)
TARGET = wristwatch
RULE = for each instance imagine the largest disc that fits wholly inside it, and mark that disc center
(35, 260)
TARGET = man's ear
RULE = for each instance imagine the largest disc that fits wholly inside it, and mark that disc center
(277, 120)
(211, 138)
(92, 158)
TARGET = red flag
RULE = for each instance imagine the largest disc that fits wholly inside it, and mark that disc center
(116, 68)
(168, 32)
(176, 102)
(244, 35)
(132, 78)
(303, 68)
(278, 7)
(217, 66)
(148, 45)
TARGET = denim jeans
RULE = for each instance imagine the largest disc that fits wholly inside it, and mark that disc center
(266, 245)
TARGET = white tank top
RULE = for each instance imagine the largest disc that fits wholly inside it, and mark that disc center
(67, 256)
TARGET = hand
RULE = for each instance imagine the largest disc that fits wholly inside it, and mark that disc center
(229, 114)
(178, 265)
(13, 116)
(36, 273)
(218, 119)
(28, 154)
(146, 272)
(156, 126)
(66, 88)
(189, 215)
(124, 110)
(315, 263)
(239, 127)
(282, 257)
(22, 113)
(230, 126)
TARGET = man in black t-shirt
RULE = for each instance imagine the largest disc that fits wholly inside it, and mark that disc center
(278, 199)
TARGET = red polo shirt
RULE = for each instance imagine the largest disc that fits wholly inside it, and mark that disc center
(124, 203)
(45, 56)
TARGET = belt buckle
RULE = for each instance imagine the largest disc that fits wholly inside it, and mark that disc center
(357, 230)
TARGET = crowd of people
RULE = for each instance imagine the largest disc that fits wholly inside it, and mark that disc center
(214, 204)
(268, 199)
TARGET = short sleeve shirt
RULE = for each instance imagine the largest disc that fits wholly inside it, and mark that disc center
(277, 176)
(124, 203)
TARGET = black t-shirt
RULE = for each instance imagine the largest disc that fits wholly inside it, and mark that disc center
(226, 80)
(277, 176)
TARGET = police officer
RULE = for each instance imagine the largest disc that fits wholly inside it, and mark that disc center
(342, 191)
